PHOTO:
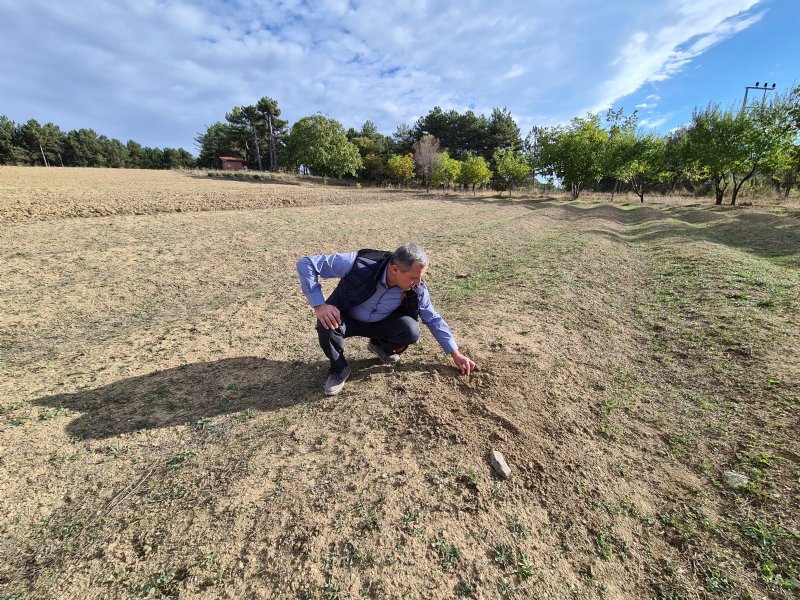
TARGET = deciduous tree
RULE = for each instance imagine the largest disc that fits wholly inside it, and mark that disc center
(426, 150)
(573, 153)
(511, 169)
(648, 166)
(319, 144)
(475, 172)
(401, 168)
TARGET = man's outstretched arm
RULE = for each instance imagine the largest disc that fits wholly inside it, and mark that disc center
(441, 331)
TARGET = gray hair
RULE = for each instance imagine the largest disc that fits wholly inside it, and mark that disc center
(408, 254)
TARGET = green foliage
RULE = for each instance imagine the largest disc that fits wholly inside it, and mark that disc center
(218, 140)
(503, 132)
(445, 170)
(474, 172)
(374, 167)
(468, 133)
(448, 553)
(319, 144)
(729, 146)
(401, 168)
(647, 165)
(33, 144)
(512, 169)
(620, 149)
(574, 153)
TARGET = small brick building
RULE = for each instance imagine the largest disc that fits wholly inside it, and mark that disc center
(231, 163)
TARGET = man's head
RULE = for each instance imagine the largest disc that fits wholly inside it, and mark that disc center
(407, 266)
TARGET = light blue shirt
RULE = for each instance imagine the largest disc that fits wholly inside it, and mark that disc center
(377, 307)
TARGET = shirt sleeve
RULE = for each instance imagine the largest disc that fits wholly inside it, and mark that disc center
(311, 268)
(434, 321)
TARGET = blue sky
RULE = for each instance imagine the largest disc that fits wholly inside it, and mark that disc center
(160, 71)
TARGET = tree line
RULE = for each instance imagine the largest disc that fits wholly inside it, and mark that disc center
(31, 143)
(717, 152)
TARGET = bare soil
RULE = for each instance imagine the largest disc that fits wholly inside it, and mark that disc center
(163, 431)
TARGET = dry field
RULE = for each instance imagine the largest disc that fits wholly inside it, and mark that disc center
(163, 431)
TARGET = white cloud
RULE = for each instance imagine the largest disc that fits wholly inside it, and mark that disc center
(696, 26)
(655, 122)
(158, 71)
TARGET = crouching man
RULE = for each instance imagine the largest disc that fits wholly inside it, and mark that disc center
(380, 296)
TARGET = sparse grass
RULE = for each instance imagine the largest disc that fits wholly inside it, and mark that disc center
(449, 555)
(630, 355)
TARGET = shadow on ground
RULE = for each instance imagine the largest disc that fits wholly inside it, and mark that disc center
(189, 393)
(763, 234)
(193, 392)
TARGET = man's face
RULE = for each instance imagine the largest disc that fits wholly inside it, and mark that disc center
(405, 279)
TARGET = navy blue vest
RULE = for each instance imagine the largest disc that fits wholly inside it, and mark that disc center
(362, 280)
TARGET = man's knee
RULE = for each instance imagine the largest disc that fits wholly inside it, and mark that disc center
(410, 329)
(325, 333)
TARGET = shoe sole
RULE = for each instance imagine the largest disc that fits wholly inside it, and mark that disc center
(335, 390)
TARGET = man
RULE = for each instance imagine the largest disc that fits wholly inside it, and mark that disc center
(380, 295)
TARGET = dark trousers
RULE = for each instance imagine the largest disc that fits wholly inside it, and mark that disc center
(392, 334)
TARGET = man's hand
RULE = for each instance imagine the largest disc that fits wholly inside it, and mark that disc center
(463, 363)
(328, 315)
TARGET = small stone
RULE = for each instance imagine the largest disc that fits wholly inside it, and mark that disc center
(499, 464)
(734, 479)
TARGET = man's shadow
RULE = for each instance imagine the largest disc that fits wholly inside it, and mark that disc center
(189, 393)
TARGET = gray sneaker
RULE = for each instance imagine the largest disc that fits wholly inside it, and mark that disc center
(335, 382)
(385, 357)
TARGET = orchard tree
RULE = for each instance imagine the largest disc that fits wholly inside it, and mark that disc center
(680, 170)
(401, 168)
(770, 132)
(319, 144)
(475, 172)
(512, 170)
(649, 165)
(445, 171)
(574, 153)
(711, 142)
(784, 169)
(730, 147)
(621, 147)
(426, 151)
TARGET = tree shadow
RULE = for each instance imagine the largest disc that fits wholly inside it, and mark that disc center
(763, 234)
(190, 393)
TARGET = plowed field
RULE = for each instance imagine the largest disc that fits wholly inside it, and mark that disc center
(163, 431)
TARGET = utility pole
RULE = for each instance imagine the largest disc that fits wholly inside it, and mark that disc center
(765, 88)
